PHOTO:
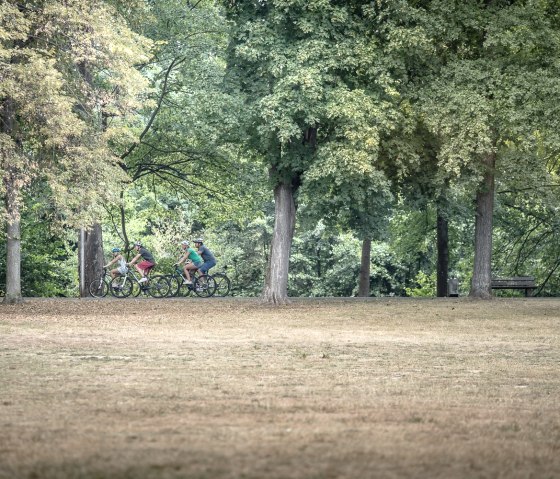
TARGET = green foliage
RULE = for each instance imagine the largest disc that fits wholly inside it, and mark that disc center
(527, 229)
(183, 144)
(325, 262)
(49, 261)
(64, 76)
(311, 64)
(376, 112)
(491, 86)
(426, 285)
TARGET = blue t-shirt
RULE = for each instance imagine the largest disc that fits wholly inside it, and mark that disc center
(206, 254)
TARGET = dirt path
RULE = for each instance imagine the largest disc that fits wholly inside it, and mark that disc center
(386, 388)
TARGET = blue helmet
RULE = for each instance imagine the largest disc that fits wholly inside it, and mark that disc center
(116, 250)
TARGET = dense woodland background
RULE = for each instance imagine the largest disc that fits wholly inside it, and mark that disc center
(403, 142)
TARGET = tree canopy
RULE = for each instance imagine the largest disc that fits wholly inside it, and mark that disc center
(287, 132)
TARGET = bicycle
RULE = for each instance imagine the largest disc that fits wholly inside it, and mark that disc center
(223, 284)
(203, 286)
(99, 287)
(129, 283)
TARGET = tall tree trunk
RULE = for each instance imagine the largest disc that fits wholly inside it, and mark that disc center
(123, 226)
(91, 240)
(276, 284)
(12, 183)
(363, 289)
(13, 246)
(482, 270)
(442, 253)
(91, 257)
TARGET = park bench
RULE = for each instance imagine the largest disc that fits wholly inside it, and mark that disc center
(518, 282)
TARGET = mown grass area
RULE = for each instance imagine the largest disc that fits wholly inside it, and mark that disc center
(324, 388)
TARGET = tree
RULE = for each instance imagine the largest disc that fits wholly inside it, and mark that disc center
(358, 200)
(183, 142)
(319, 89)
(50, 112)
(496, 68)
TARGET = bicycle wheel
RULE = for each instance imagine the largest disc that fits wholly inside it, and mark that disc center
(98, 288)
(173, 285)
(223, 284)
(121, 287)
(158, 287)
(204, 286)
(184, 289)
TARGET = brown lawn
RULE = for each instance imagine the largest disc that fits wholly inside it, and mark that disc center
(194, 388)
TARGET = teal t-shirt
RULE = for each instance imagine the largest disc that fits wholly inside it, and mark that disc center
(194, 256)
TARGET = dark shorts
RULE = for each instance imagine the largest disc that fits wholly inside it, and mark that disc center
(206, 266)
(146, 266)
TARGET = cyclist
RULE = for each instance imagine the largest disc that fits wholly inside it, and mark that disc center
(195, 260)
(146, 264)
(118, 258)
(206, 255)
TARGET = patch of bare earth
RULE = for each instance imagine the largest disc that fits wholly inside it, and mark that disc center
(317, 389)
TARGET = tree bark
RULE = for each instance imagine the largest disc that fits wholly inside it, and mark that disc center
(13, 246)
(482, 268)
(12, 183)
(276, 284)
(91, 257)
(123, 226)
(91, 240)
(442, 253)
(363, 289)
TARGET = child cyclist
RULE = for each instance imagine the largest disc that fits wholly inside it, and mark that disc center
(118, 258)
(189, 254)
(146, 264)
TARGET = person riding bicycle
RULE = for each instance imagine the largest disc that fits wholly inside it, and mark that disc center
(195, 260)
(206, 255)
(146, 264)
(118, 258)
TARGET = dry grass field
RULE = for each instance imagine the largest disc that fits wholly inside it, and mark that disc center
(192, 388)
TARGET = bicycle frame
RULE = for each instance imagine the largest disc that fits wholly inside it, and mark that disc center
(100, 286)
(125, 285)
(197, 285)
(129, 273)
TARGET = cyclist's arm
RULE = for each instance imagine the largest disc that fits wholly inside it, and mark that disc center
(110, 262)
(133, 260)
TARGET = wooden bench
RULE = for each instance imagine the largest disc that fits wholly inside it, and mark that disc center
(518, 282)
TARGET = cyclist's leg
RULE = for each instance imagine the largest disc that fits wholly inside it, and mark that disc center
(190, 270)
(114, 274)
(144, 268)
(199, 274)
(186, 275)
(144, 280)
(205, 267)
